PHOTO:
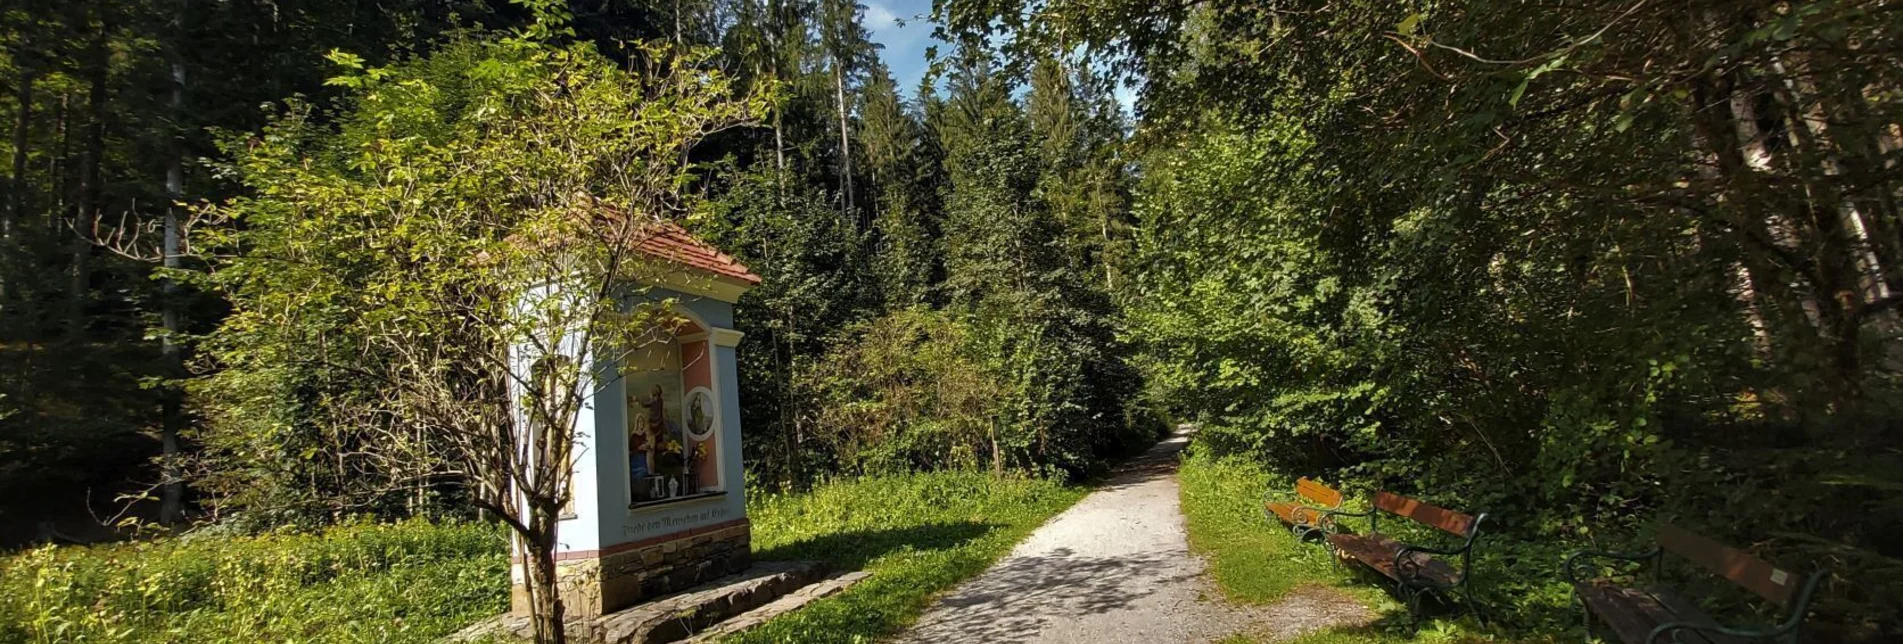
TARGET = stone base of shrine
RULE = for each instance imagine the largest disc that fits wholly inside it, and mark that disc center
(704, 613)
(597, 583)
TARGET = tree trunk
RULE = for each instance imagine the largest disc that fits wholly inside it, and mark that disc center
(1797, 247)
(56, 167)
(90, 190)
(545, 609)
(997, 449)
(779, 137)
(1103, 252)
(789, 421)
(845, 145)
(16, 211)
(545, 605)
(173, 493)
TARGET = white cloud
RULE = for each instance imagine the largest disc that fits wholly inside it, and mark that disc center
(878, 17)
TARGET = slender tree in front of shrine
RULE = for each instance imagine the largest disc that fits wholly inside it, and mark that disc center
(459, 240)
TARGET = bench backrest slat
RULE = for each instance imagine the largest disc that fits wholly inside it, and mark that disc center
(1741, 568)
(1322, 495)
(1453, 522)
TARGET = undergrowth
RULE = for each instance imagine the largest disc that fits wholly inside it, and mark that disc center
(404, 582)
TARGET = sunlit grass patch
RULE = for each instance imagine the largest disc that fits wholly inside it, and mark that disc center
(1255, 560)
(407, 582)
(917, 534)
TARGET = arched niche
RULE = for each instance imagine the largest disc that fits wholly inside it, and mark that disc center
(674, 441)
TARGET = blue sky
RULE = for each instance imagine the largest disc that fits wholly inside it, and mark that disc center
(905, 46)
(904, 51)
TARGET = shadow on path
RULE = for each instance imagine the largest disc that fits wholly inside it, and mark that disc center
(1015, 601)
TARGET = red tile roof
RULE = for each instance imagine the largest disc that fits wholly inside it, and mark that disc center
(668, 241)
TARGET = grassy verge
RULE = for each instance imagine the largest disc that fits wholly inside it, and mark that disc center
(409, 582)
(918, 535)
(1257, 561)
(416, 582)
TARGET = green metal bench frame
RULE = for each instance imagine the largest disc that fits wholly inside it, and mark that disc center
(1304, 520)
(1409, 583)
(1579, 565)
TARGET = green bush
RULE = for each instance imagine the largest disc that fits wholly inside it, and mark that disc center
(403, 582)
(922, 389)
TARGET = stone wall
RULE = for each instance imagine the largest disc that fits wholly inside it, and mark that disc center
(597, 583)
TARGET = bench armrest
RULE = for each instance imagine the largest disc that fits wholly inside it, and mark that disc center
(1313, 513)
(1409, 570)
(1328, 516)
(1667, 633)
(1785, 631)
(1408, 548)
(1404, 562)
(1577, 562)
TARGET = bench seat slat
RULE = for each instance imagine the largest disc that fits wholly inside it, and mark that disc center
(1316, 491)
(1738, 566)
(1377, 552)
(1283, 509)
(1293, 514)
(1634, 612)
(1449, 521)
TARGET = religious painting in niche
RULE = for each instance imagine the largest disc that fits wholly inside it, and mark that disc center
(703, 436)
(658, 467)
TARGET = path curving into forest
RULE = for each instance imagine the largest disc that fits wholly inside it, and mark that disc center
(1116, 567)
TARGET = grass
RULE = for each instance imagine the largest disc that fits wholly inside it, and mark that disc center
(407, 582)
(1256, 561)
(417, 581)
(917, 534)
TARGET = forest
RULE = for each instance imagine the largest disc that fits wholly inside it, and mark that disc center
(1587, 265)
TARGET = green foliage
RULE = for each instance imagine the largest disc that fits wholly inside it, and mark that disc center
(91, 135)
(969, 324)
(384, 270)
(918, 535)
(1584, 268)
(1068, 394)
(816, 282)
(911, 390)
(407, 582)
(901, 159)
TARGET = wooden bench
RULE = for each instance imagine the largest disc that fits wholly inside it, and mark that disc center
(1410, 567)
(1301, 518)
(1654, 615)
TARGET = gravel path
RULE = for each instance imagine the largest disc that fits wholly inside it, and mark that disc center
(1114, 568)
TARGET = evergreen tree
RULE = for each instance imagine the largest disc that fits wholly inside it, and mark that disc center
(850, 55)
(909, 258)
(1040, 325)
(1079, 141)
(815, 284)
